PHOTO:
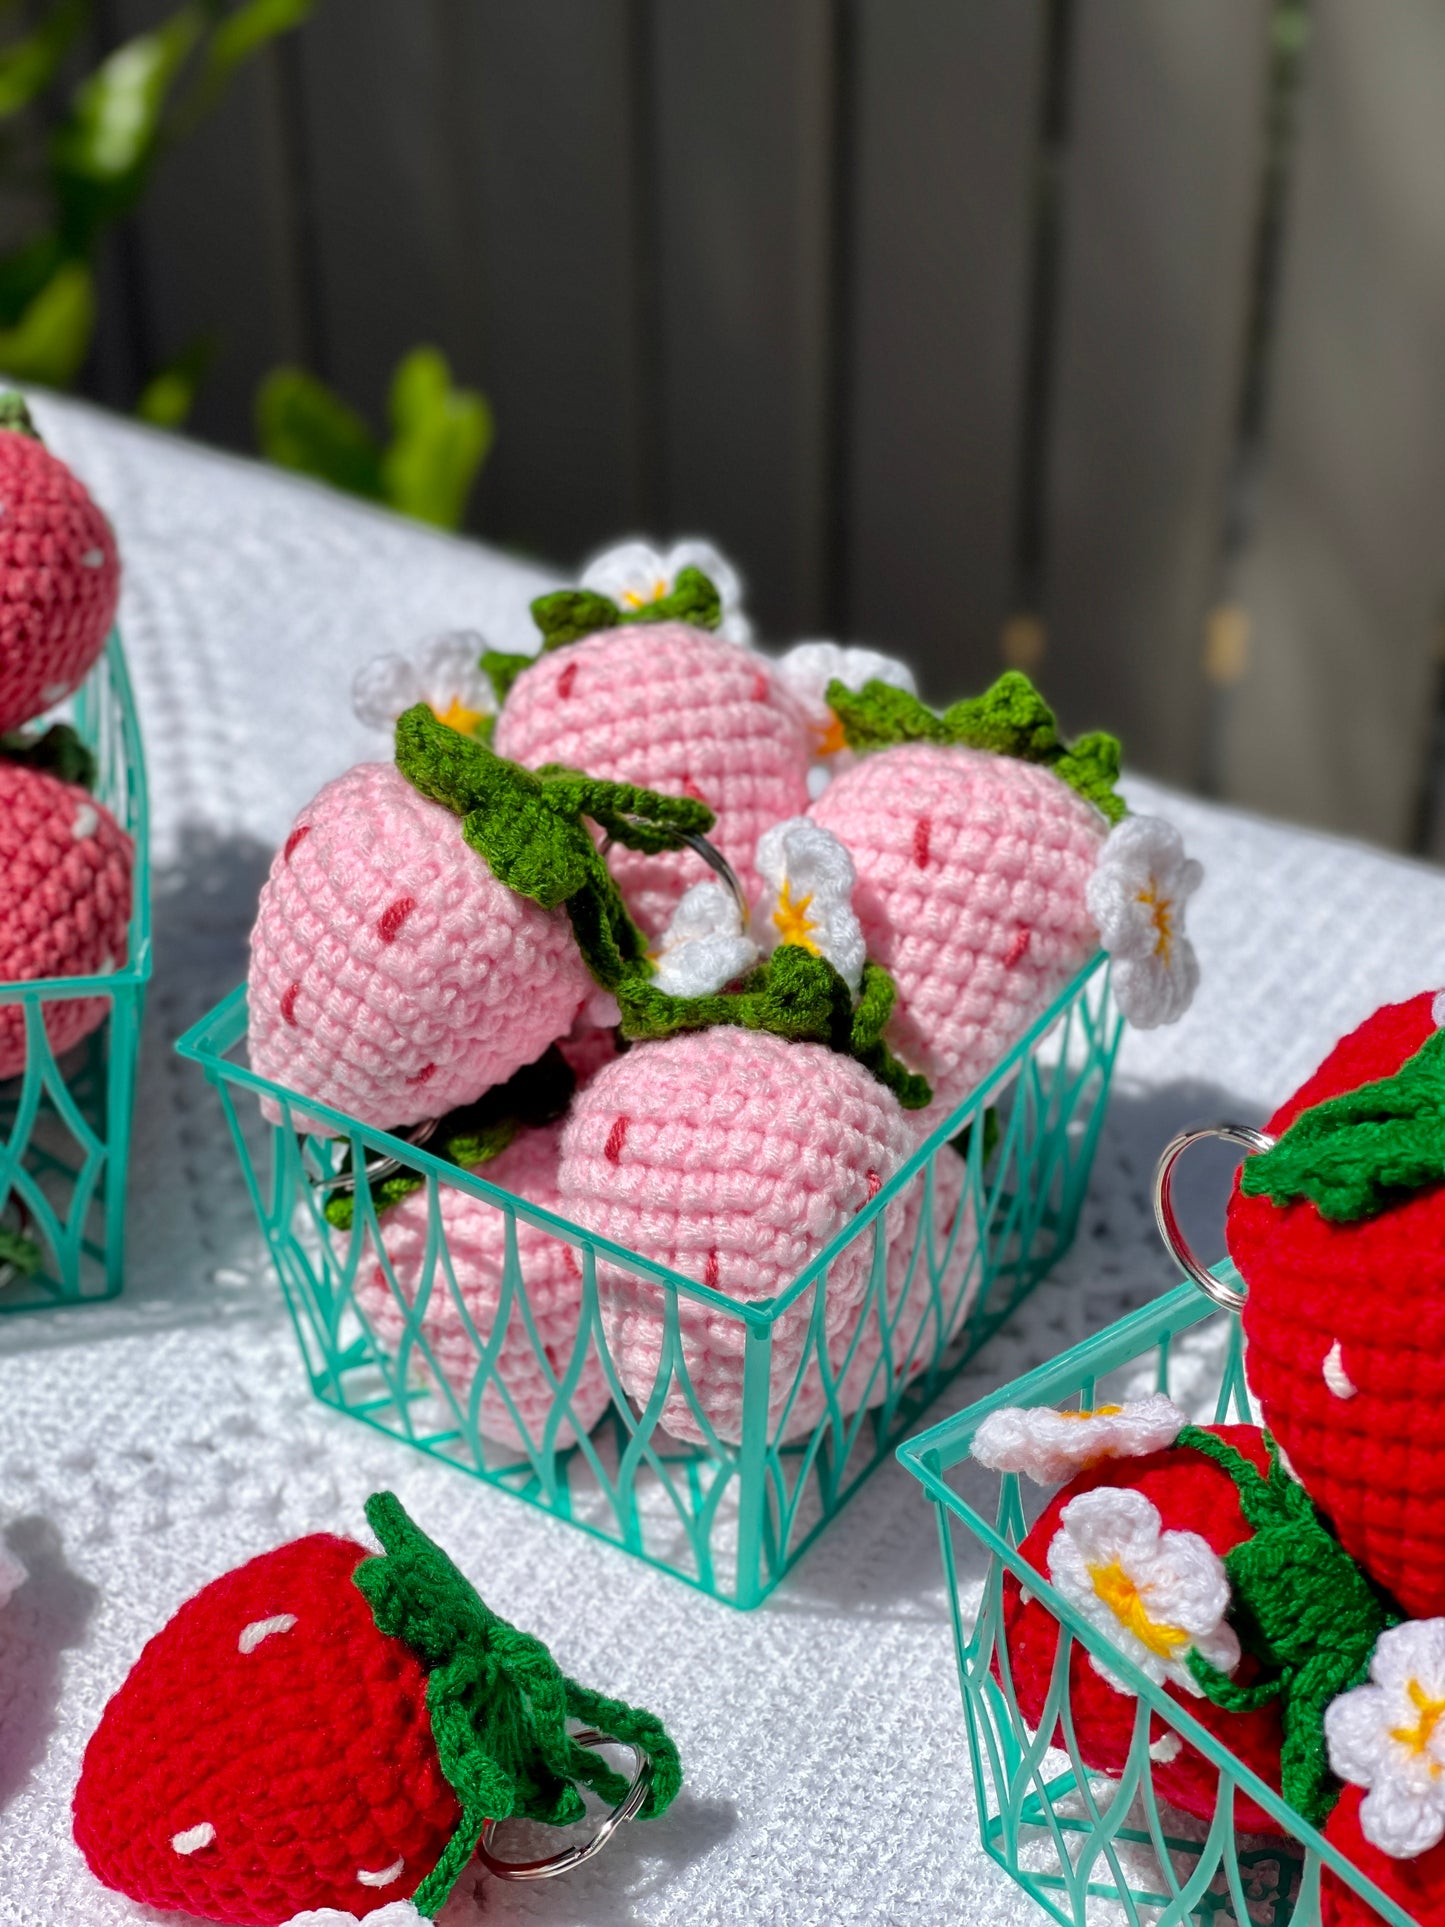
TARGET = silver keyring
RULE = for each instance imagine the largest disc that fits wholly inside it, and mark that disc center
(1242, 1134)
(574, 1856)
(713, 857)
(376, 1168)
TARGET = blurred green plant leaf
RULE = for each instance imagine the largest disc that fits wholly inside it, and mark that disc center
(302, 425)
(169, 396)
(240, 35)
(51, 339)
(28, 65)
(441, 437)
(24, 273)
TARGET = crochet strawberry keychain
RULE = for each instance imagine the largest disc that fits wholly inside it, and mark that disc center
(330, 1729)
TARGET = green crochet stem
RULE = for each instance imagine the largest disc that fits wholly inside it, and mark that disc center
(502, 670)
(528, 827)
(19, 1253)
(1302, 1607)
(59, 750)
(539, 1093)
(793, 994)
(497, 1701)
(15, 416)
(1355, 1155)
(569, 614)
(1011, 718)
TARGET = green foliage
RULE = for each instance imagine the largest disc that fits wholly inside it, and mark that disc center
(440, 437)
(50, 339)
(168, 397)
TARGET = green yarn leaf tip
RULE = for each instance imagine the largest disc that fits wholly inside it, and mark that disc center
(474, 1134)
(497, 1701)
(1010, 719)
(1305, 1611)
(16, 416)
(19, 1253)
(59, 750)
(567, 615)
(1355, 1155)
(502, 670)
(792, 994)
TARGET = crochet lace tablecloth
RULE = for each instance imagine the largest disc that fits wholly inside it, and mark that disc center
(147, 1446)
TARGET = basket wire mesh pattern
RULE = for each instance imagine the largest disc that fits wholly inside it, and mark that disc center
(65, 1123)
(730, 1518)
(1089, 1847)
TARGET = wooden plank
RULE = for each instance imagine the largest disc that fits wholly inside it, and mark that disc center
(1344, 585)
(946, 105)
(1164, 154)
(743, 100)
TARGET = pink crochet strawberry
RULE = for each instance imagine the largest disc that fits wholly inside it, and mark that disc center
(541, 1308)
(647, 695)
(323, 1728)
(987, 874)
(65, 900)
(59, 573)
(403, 961)
(1339, 1235)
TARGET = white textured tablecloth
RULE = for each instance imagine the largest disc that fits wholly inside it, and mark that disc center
(147, 1446)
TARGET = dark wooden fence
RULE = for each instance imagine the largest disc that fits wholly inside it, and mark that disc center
(1103, 336)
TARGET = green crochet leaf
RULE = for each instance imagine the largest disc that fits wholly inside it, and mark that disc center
(1355, 1155)
(497, 1701)
(502, 670)
(793, 994)
(58, 750)
(1302, 1608)
(20, 1253)
(474, 1134)
(1011, 719)
(567, 615)
(16, 416)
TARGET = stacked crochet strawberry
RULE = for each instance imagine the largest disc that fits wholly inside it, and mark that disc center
(649, 695)
(325, 1728)
(59, 573)
(1339, 1234)
(1417, 1885)
(65, 900)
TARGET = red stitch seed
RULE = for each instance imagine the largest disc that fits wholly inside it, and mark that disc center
(689, 788)
(288, 1005)
(760, 687)
(424, 1075)
(566, 680)
(388, 926)
(301, 831)
(875, 1184)
(709, 1270)
(921, 832)
(1017, 948)
(616, 1138)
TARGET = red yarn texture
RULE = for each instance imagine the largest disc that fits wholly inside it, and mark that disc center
(1416, 1885)
(1191, 1494)
(310, 1755)
(59, 579)
(1374, 1460)
(65, 895)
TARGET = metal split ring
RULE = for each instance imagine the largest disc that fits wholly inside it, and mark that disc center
(376, 1167)
(713, 857)
(1243, 1134)
(629, 1809)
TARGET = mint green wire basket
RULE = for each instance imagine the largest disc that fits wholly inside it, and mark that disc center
(728, 1517)
(65, 1123)
(1074, 1838)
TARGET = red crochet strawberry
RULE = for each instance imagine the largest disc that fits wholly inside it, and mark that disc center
(1339, 1234)
(1417, 1885)
(65, 899)
(324, 1728)
(59, 573)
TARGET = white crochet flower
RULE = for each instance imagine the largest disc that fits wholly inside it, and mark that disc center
(12, 1575)
(1155, 1596)
(1052, 1446)
(396, 1913)
(446, 676)
(807, 899)
(1389, 1736)
(705, 945)
(634, 574)
(1136, 898)
(808, 668)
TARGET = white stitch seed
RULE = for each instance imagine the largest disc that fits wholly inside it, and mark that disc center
(194, 1838)
(259, 1629)
(87, 822)
(1336, 1377)
(1167, 1747)
(384, 1878)
(94, 559)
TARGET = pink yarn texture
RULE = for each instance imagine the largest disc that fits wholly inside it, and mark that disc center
(65, 897)
(550, 1272)
(972, 878)
(733, 1157)
(59, 579)
(680, 711)
(392, 976)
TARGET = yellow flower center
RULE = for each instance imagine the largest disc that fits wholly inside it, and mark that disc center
(1417, 1737)
(457, 716)
(1163, 920)
(1125, 1601)
(1099, 1411)
(636, 601)
(792, 921)
(830, 736)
